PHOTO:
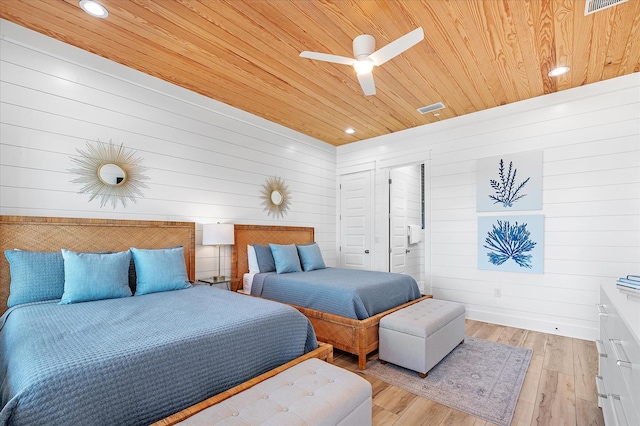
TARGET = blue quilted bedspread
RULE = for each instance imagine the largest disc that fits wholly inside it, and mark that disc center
(346, 292)
(139, 359)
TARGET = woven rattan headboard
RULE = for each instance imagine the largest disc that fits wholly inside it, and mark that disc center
(53, 233)
(260, 234)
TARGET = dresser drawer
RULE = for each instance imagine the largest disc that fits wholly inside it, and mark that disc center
(613, 380)
(625, 358)
(613, 412)
(601, 391)
(608, 315)
(603, 357)
(611, 404)
(620, 400)
(618, 383)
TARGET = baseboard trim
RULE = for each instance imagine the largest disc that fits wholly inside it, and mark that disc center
(567, 330)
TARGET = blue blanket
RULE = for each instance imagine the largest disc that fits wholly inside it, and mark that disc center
(139, 359)
(346, 292)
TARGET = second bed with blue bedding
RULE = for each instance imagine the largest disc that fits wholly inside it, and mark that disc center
(349, 293)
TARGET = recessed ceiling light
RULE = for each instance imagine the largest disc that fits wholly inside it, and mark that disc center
(558, 71)
(94, 9)
(350, 131)
(437, 114)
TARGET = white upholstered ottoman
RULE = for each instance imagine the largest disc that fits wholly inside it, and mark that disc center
(420, 335)
(311, 393)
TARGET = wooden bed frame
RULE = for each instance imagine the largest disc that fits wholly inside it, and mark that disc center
(358, 337)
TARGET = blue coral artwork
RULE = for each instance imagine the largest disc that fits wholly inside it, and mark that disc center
(511, 243)
(509, 182)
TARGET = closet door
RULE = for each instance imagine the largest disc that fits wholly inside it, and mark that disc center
(356, 221)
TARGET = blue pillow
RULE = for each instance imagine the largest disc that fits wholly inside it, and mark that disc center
(286, 258)
(311, 257)
(35, 276)
(264, 258)
(160, 270)
(95, 276)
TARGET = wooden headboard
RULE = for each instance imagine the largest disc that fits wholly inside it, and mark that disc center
(260, 234)
(53, 233)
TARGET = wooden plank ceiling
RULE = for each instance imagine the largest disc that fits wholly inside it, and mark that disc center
(475, 55)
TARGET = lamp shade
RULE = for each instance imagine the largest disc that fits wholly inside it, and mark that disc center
(214, 234)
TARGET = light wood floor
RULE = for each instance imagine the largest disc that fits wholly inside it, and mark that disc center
(559, 388)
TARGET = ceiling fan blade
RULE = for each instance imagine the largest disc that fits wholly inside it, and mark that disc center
(328, 58)
(367, 84)
(397, 46)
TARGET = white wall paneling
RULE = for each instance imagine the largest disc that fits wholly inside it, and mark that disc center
(590, 138)
(206, 160)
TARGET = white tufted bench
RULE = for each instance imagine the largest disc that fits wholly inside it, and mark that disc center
(310, 393)
(420, 335)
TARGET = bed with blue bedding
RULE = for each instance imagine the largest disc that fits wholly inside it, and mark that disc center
(104, 327)
(136, 360)
(344, 305)
(349, 293)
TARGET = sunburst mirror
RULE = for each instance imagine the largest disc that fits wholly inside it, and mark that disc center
(276, 198)
(109, 173)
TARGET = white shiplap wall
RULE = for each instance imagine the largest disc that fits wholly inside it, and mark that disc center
(206, 160)
(590, 138)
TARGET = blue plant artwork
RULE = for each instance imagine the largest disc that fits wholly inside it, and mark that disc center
(506, 241)
(506, 190)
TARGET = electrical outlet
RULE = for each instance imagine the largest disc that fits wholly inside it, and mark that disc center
(497, 292)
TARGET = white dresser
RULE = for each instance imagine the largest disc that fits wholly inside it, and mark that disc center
(618, 381)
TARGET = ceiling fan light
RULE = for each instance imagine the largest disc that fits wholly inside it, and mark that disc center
(363, 66)
(94, 9)
(558, 71)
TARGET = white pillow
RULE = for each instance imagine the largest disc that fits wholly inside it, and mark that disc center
(247, 282)
(253, 260)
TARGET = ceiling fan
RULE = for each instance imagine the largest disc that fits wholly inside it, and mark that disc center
(365, 58)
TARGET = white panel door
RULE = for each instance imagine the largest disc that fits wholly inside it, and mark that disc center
(356, 221)
(397, 223)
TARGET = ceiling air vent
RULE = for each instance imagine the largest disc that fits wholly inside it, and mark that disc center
(593, 6)
(429, 108)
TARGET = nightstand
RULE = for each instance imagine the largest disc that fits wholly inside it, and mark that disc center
(224, 284)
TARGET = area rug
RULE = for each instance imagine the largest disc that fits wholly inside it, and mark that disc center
(479, 377)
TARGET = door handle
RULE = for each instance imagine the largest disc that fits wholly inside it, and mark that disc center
(407, 251)
(366, 251)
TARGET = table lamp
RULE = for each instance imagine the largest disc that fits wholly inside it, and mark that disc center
(217, 234)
